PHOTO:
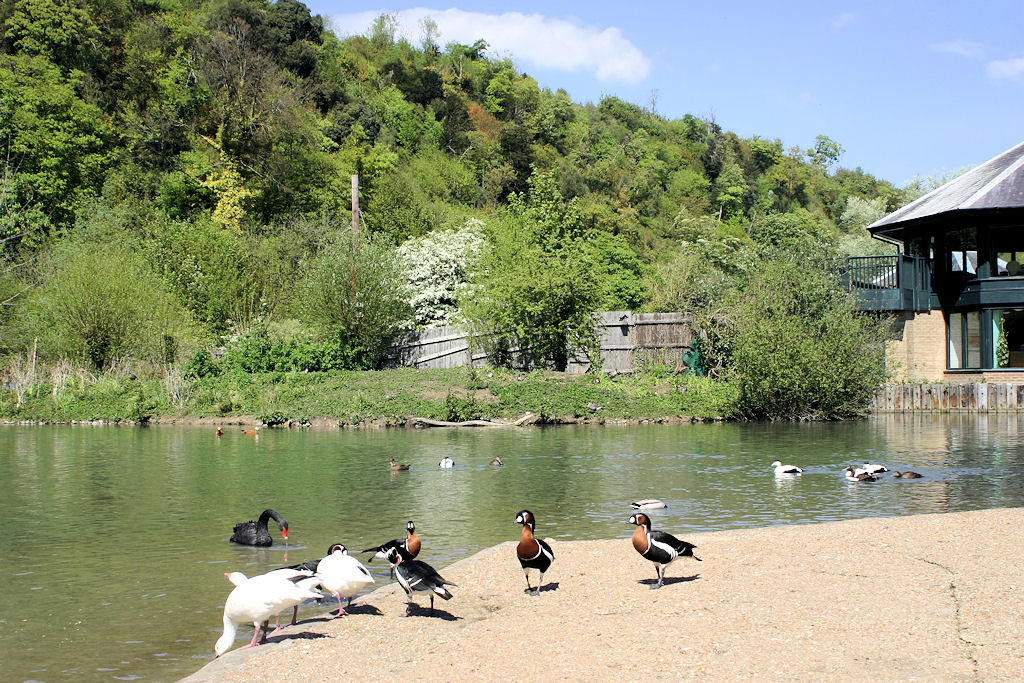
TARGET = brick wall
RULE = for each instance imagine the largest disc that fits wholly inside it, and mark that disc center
(916, 350)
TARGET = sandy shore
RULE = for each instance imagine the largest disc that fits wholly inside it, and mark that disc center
(925, 598)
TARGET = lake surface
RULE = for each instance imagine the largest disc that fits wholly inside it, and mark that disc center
(116, 538)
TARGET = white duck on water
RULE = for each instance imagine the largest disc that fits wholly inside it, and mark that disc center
(785, 469)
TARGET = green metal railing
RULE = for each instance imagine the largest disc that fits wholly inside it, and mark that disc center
(895, 282)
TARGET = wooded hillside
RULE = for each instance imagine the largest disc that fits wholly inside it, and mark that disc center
(177, 176)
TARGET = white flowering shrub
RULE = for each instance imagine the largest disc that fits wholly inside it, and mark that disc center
(438, 266)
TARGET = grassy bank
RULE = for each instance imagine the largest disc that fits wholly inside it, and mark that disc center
(387, 397)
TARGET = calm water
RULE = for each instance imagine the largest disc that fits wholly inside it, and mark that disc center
(116, 539)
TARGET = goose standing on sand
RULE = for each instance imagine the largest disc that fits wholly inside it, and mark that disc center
(257, 599)
(533, 553)
(342, 575)
(414, 575)
(256, 533)
(907, 475)
(657, 546)
(446, 463)
(785, 469)
(648, 504)
(410, 544)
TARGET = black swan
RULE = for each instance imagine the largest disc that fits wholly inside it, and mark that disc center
(256, 533)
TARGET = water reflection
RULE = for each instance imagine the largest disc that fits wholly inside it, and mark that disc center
(117, 538)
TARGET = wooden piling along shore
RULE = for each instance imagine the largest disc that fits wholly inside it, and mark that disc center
(974, 397)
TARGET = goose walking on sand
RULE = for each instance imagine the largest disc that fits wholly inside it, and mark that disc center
(414, 575)
(659, 547)
(533, 552)
(411, 544)
(257, 599)
(342, 575)
(256, 533)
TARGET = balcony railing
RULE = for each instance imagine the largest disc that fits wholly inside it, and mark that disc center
(894, 282)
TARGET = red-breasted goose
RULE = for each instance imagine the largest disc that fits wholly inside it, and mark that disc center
(657, 546)
(533, 553)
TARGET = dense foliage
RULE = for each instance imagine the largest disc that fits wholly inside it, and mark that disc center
(177, 178)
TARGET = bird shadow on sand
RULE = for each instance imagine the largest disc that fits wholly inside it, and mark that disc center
(417, 611)
(553, 586)
(669, 580)
(296, 635)
(361, 609)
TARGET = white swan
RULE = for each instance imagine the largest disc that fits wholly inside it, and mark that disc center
(342, 575)
(648, 504)
(257, 599)
(785, 469)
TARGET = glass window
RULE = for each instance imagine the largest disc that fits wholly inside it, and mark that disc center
(1008, 246)
(956, 341)
(963, 251)
(964, 340)
(1009, 337)
(973, 335)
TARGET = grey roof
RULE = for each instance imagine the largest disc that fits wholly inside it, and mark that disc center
(996, 184)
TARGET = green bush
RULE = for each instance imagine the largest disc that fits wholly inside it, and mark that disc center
(800, 348)
(100, 303)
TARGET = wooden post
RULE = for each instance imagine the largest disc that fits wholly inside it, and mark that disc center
(355, 205)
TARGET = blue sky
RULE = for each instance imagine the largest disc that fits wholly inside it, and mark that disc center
(907, 88)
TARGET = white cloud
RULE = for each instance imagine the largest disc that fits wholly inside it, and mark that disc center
(843, 20)
(964, 48)
(1006, 69)
(535, 39)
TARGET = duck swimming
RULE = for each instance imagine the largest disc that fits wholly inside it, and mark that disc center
(648, 504)
(854, 474)
(785, 469)
(907, 475)
(395, 467)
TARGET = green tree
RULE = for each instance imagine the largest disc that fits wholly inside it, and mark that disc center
(825, 153)
(353, 295)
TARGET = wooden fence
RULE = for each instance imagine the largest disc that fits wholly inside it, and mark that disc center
(967, 397)
(627, 340)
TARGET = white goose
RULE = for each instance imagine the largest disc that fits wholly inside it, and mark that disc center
(257, 599)
(785, 469)
(342, 575)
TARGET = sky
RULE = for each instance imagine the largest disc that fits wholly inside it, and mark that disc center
(907, 88)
